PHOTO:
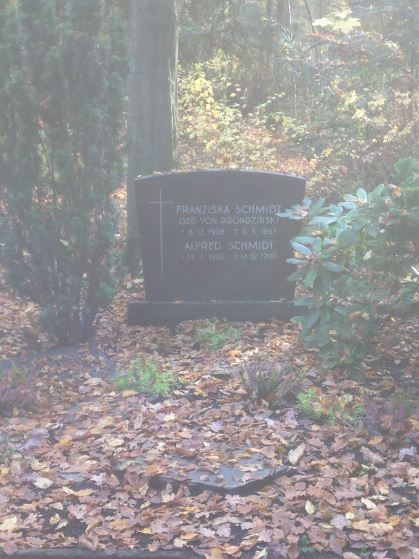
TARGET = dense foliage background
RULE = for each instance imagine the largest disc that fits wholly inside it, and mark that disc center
(335, 81)
(63, 68)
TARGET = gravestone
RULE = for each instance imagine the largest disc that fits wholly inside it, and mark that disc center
(213, 245)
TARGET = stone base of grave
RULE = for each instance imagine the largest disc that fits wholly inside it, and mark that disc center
(161, 313)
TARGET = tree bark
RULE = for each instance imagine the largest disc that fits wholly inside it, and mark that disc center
(153, 99)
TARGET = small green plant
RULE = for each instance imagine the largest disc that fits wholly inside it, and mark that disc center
(6, 449)
(309, 403)
(216, 335)
(321, 406)
(270, 380)
(146, 377)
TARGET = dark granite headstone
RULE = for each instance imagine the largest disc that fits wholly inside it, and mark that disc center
(213, 245)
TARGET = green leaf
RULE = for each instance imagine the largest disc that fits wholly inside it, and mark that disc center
(301, 249)
(348, 205)
(317, 245)
(316, 206)
(310, 277)
(305, 240)
(332, 267)
(323, 220)
(304, 301)
(362, 195)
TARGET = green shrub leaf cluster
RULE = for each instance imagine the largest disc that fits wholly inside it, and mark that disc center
(357, 263)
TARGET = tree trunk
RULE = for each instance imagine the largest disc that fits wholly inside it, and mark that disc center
(153, 99)
(283, 12)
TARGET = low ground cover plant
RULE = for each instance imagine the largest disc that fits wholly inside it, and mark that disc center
(268, 380)
(330, 408)
(215, 335)
(357, 264)
(146, 377)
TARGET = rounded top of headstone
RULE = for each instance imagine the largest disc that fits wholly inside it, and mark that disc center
(219, 171)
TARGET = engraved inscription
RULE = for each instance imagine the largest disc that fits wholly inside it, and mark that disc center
(221, 232)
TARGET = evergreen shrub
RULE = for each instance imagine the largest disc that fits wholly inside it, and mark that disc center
(62, 96)
(357, 264)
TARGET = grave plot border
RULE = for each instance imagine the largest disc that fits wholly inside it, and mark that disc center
(160, 313)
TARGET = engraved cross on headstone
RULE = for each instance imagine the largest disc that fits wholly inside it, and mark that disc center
(161, 204)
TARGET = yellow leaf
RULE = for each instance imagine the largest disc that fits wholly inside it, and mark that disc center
(168, 497)
(38, 466)
(215, 553)
(105, 422)
(9, 524)
(368, 503)
(185, 434)
(362, 525)
(310, 508)
(128, 393)
(394, 520)
(189, 536)
(375, 440)
(295, 455)
(65, 441)
(145, 531)
(120, 524)
(43, 482)
(80, 493)
(178, 542)
(114, 442)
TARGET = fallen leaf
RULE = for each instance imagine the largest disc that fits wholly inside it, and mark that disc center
(368, 503)
(9, 524)
(310, 508)
(120, 524)
(80, 493)
(65, 441)
(339, 521)
(10, 548)
(43, 482)
(114, 441)
(215, 553)
(295, 455)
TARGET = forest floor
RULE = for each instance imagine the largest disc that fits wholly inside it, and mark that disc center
(82, 469)
(208, 471)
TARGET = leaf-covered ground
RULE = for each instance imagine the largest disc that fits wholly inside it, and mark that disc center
(77, 471)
